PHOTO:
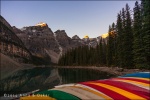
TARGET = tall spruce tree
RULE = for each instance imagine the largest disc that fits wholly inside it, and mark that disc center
(146, 31)
(138, 49)
(119, 46)
(123, 17)
(113, 35)
(128, 40)
(101, 52)
(98, 54)
(109, 47)
(104, 50)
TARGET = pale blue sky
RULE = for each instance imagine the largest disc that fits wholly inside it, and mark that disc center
(75, 17)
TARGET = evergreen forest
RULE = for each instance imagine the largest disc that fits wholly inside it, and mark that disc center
(127, 44)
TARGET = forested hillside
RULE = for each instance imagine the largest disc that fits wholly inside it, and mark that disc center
(127, 46)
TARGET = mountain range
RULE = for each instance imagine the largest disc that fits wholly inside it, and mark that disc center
(40, 41)
(21, 50)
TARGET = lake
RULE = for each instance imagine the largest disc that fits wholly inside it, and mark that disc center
(75, 75)
(47, 77)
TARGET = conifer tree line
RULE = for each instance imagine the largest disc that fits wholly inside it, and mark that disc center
(85, 56)
(127, 44)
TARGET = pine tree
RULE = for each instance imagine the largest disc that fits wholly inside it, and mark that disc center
(104, 51)
(123, 17)
(146, 31)
(101, 52)
(127, 38)
(113, 35)
(109, 48)
(91, 56)
(119, 46)
(98, 55)
(76, 57)
(138, 49)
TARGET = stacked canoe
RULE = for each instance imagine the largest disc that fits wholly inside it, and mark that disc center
(134, 86)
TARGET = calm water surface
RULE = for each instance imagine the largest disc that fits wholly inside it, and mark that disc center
(69, 75)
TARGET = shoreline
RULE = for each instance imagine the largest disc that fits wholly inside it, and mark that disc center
(113, 70)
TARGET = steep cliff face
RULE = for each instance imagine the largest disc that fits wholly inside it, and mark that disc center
(10, 44)
(65, 41)
(39, 40)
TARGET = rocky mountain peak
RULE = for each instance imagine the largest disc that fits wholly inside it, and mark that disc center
(37, 30)
(62, 38)
(61, 33)
(40, 40)
(75, 37)
(41, 24)
(4, 22)
(10, 44)
(86, 37)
